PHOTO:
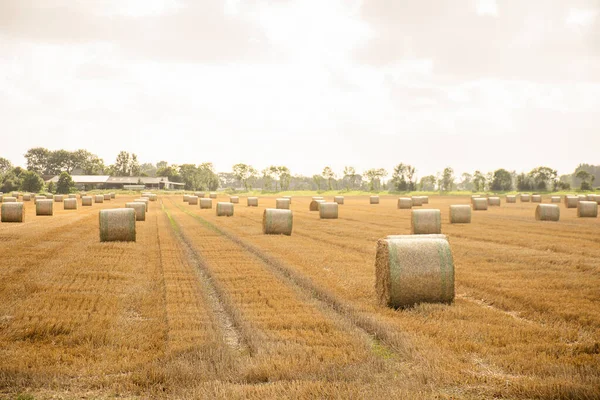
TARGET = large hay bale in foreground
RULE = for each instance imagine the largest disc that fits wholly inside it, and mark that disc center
(587, 209)
(404, 203)
(205, 203)
(374, 200)
(480, 204)
(417, 201)
(86, 201)
(44, 207)
(547, 212)
(460, 214)
(193, 200)
(525, 198)
(571, 201)
(142, 200)
(277, 222)
(140, 209)
(12, 212)
(494, 201)
(27, 197)
(425, 222)
(9, 199)
(282, 204)
(117, 225)
(70, 204)
(338, 199)
(252, 201)
(328, 210)
(536, 198)
(412, 269)
(212, 195)
(234, 199)
(511, 198)
(224, 209)
(555, 199)
(107, 197)
(314, 205)
(99, 198)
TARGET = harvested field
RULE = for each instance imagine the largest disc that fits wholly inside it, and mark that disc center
(203, 307)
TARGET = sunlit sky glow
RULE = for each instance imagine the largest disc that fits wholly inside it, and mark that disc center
(479, 84)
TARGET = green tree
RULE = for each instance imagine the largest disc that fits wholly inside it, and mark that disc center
(524, 183)
(402, 178)
(51, 187)
(318, 180)
(5, 167)
(37, 159)
(586, 179)
(65, 183)
(31, 181)
(190, 176)
(134, 166)
(121, 165)
(285, 177)
(245, 174)
(328, 175)
(267, 176)
(11, 180)
(447, 180)
(374, 176)
(148, 169)
(427, 183)
(466, 182)
(169, 171)
(350, 177)
(544, 178)
(209, 180)
(479, 181)
(501, 181)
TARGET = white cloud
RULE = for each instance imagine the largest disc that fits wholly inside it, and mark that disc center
(487, 7)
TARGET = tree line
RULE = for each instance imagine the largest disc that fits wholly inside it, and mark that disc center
(43, 163)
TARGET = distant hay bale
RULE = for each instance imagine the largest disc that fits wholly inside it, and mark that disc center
(404, 203)
(374, 200)
(72, 196)
(140, 209)
(15, 194)
(234, 199)
(99, 198)
(199, 194)
(193, 200)
(314, 205)
(27, 197)
(86, 201)
(318, 198)
(412, 269)
(582, 197)
(212, 195)
(277, 222)
(480, 204)
(494, 201)
(107, 197)
(571, 201)
(205, 203)
(425, 199)
(59, 198)
(112, 195)
(587, 209)
(224, 209)
(525, 198)
(555, 199)
(153, 197)
(117, 225)
(186, 197)
(44, 207)
(142, 200)
(287, 197)
(460, 214)
(425, 222)
(511, 198)
(338, 199)
(70, 204)
(536, 198)
(252, 201)
(49, 196)
(9, 199)
(36, 198)
(282, 204)
(547, 212)
(12, 212)
(328, 210)
(417, 201)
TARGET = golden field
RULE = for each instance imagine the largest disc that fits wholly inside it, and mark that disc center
(208, 307)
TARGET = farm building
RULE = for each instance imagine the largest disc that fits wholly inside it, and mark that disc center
(89, 182)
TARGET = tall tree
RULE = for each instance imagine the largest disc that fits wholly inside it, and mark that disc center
(318, 180)
(374, 175)
(447, 180)
(479, 181)
(285, 177)
(134, 166)
(328, 175)
(121, 165)
(427, 183)
(267, 177)
(586, 179)
(350, 177)
(245, 174)
(501, 181)
(466, 182)
(5, 166)
(544, 178)
(402, 178)
(65, 183)
(31, 181)
(37, 159)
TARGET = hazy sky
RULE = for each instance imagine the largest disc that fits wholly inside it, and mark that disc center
(472, 84)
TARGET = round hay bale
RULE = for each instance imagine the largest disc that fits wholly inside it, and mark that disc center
(199, 194)
(426, 222)
(153, 197)
(112, 195)
(44, 207)
(525, 198)
(338, 199)
(494, 201)
(86, 201)
(277, 222)
(12, 212)
(417, 201)
(374, 200)
(234, 199)
(555, 199)
(140, 209)
(193, 200)
(59, 198)
(571, 201)
(511, 198)
(587, 209)
(582, 197)
(404, 203)
(70, 204)
(1, 197)
(186, 197)
(282, 204)
(9, 199)
(460, 214)
(425, 199)
(145, 196)
(117, 225)
(212, 195)
(314, 205)
(547, 212)
(107, 197)
(287, 197)
(49, 196)
(480, 204)
(318, 198)
(252, 201)
(224, 209)
(142, 200)
(205, 203)
(36, 198)
(412, 269)
(82, 194)
(72, 196)
(536, 198)
(15, 194)
(99, 198)
(26, 197)
(328, 210)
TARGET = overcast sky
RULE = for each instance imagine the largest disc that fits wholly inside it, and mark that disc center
(471, 84)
